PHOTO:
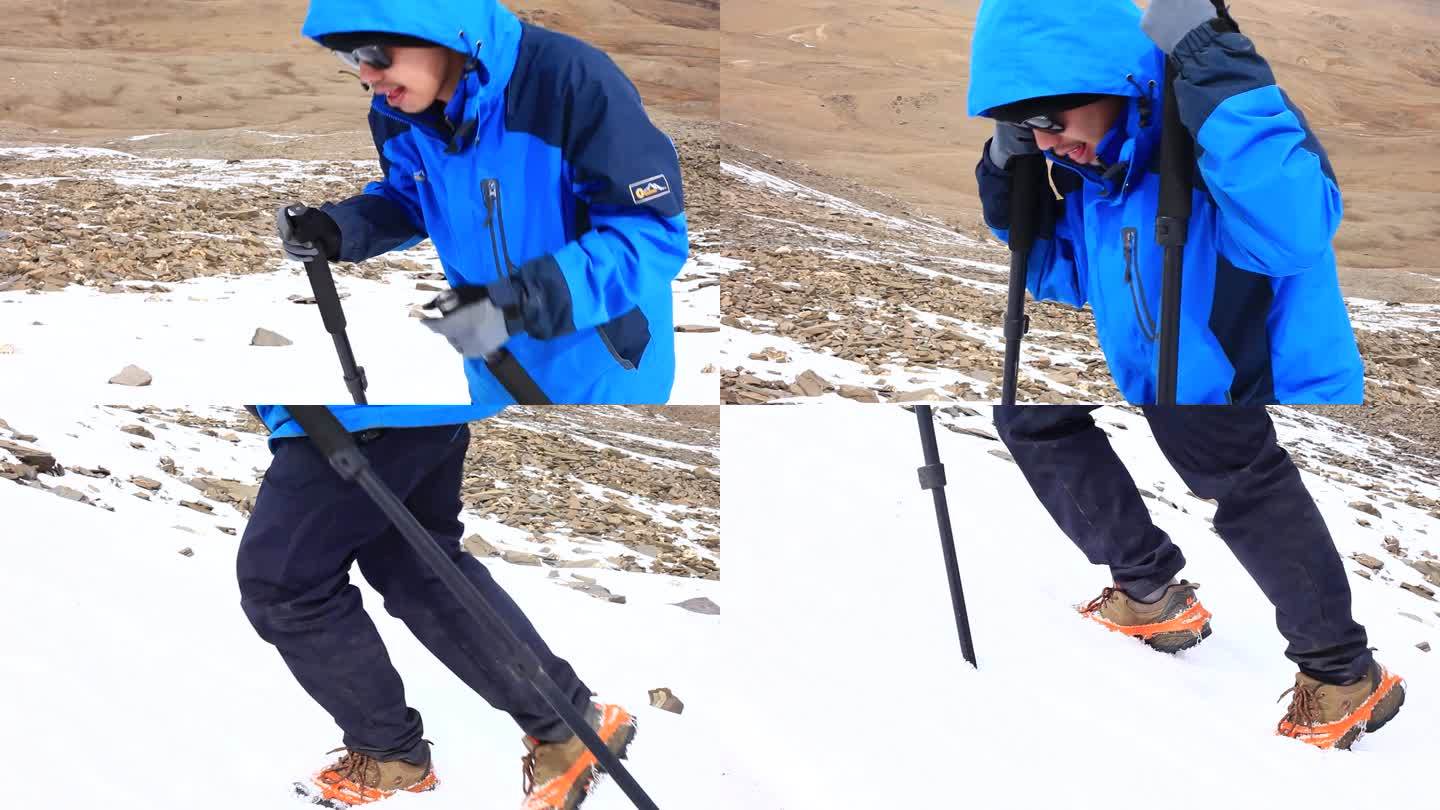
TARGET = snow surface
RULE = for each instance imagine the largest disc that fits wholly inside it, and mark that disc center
(837, 594)
(135, 665)
(195, 340)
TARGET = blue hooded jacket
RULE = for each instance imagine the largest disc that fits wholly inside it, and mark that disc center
(356, 418)
(1262, 316)
(552, 188)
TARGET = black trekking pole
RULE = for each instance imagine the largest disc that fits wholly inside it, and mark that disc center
(1027, 180)
(932, 477)
(1172, 221)
(512, 376)
(344, 455)
(322, 283)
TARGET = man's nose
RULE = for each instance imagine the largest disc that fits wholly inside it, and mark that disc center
(1046, 140)
(369, 74)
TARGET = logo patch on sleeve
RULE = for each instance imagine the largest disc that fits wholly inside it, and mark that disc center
(651, 188)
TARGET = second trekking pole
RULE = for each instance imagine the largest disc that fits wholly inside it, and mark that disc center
(344, 455)
(322, 283)
(1172, 221)
(1027, 181)
(932, 477)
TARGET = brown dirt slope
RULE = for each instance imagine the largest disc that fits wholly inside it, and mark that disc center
(875, 91)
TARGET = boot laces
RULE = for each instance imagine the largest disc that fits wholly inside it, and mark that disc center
(527, 769)
(362, 769)
(1099, 601)
(1304, 706)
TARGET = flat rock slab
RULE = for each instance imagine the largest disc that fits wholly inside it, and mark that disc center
(133, 376)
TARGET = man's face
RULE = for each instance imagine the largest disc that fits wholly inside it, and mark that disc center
(1084, 126)
(416, 78)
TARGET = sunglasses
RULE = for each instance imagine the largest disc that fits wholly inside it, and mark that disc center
(372, 55)
(1044, 123)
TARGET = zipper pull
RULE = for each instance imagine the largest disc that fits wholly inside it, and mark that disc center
(1129, 237)
(490, 191)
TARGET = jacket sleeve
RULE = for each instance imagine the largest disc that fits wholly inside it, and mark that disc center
(1053, 273)
(1278, 199)
(626, 173)
(387, 215)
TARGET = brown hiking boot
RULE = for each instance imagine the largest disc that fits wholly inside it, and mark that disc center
(559, 775)
(1176, 621)
(361, 779)
(1330, 716)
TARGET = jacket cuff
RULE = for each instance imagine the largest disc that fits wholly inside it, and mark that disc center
(510, 298)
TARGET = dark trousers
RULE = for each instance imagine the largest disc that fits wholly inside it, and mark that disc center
(307, 528)
(1265, 515)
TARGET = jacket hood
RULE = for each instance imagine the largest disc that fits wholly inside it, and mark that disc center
(482, 29)
(1022, 49)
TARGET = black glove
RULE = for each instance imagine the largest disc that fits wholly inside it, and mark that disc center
(1011, 141)
(307, 233)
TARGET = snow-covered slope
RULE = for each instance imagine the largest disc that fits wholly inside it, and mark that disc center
(837, 593)
(132, 680)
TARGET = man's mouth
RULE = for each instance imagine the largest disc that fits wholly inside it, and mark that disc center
(393, 95)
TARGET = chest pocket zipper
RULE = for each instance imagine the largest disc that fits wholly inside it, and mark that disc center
(1143, 316)
(495, 221)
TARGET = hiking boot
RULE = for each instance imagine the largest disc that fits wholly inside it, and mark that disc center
(559, 775)
(361, 779)
(1330, 716)
(1176, 621)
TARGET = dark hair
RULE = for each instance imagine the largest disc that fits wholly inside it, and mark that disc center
(1018, 111)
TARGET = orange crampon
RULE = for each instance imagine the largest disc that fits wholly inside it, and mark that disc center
(1313, 702)
(1175, 622)
(360, 779)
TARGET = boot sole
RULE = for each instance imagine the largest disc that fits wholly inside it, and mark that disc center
(308, 793)
(1384, 712)
(1176, 641)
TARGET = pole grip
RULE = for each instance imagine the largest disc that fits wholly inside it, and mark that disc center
(322, 283)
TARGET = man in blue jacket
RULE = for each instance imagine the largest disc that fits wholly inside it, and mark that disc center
(527, 158)
(1262, 320)
(307, 528)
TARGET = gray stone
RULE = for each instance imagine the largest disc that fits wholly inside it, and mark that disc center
(1428, 569)
(520, 558)
(582, 564)
(478, 546)
(812, 384)
(133, 376)
(1368, 561)
(137, 430)
(264, 337)
(1419, 590)
(1366, 507)
(34, 457)
(69, 494)
(699, 604)
(663, 698)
